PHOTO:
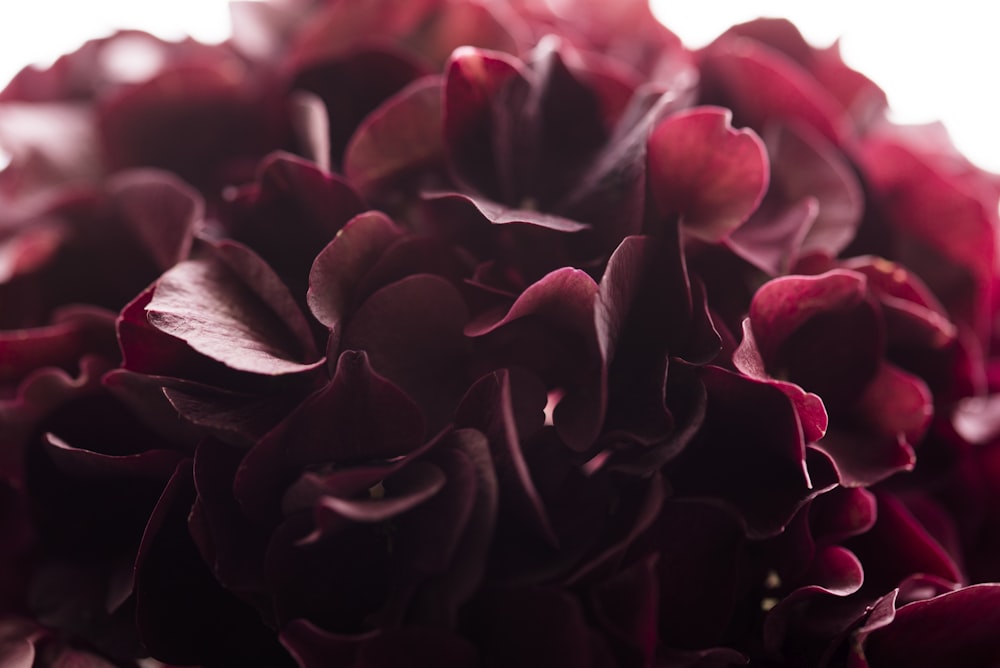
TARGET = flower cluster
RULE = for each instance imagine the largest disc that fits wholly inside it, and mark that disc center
(484, 333)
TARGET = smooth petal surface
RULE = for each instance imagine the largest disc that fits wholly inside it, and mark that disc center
(370, 419)
(340, 267)
(812, 414)
(412, 332)
(764, 87)
(730, 461)
(954, 628)
(562, 303)
(710, 174)
(473, 78)
(402, 134)
(230, 306)
(783, 305)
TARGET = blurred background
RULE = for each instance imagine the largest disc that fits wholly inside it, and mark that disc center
(936, 61)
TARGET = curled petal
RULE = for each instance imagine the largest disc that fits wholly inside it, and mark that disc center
(358, 417)
(897, 404)
(339, 268)
(710, 174)
(784, 304)
(812, 414)
(955, 628)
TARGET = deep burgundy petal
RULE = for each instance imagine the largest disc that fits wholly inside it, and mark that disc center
(412, 332)
(812, 414)
(735, 458)
(229, 305)
(562, 303)
(341, 265)
(401, 135)
(508, 407)
(183, 614)
(957, 628)
(371, 418)
(473, 80)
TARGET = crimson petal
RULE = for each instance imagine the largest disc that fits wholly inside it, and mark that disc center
(957, 628)
(765, 86)
(710, 174)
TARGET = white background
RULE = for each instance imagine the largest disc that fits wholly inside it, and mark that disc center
(935, 60)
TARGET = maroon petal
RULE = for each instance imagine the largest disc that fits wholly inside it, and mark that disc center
(897, 405)
(183, 615)
(808, 165)
(764, 87)
(399, 493)
(701, 550)
(412, 332)
(806, 172)
(354, 83)
(473, 79)
(72, 333)
(500, 214)
(161, 210)
(229, 305)
(734, 458)
(772, 237)
(841, 513)
(914, 316)
(230, 544)
(645, 313)
(289, 214)
(371, 417)
(957, 628)
(240, 418)
(441, 597)
(804, 625)
(920, 195)
(784, 304)
(710, 174)
(339, 268)
(611, 194)
(564, 301)
(508, 407)
(626, 604)
(812, 414)
(83, 463)
(535, 628)
(401, 135)
(862, 459)
(897, 547)
(139, 125)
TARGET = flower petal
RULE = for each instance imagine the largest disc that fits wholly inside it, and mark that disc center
(705, 171)
(229, 305)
